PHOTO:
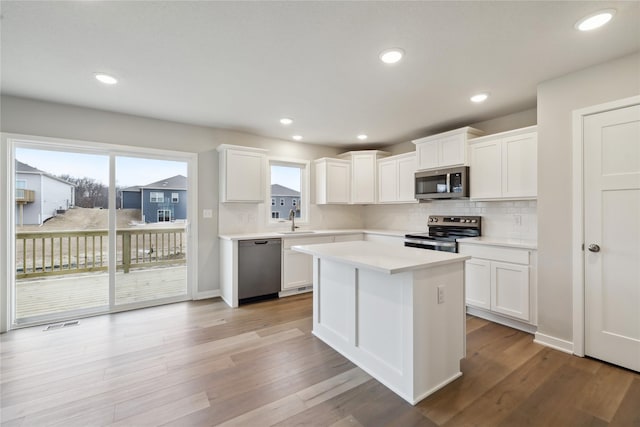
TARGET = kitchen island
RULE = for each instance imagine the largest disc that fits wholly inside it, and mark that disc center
(396, 312)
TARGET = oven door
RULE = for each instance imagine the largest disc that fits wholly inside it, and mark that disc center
(434, 245)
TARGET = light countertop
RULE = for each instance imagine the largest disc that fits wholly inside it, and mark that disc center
(499, 241)
(378, 257)
(302, 233)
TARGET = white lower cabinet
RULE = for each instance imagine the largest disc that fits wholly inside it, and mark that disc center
(510, 289)
(501, 280)
(297, 268)
(477, 279)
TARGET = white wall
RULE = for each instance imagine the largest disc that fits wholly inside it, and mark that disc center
(41, 118)
(557, 99)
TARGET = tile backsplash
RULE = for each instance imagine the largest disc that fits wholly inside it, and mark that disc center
(509, 219)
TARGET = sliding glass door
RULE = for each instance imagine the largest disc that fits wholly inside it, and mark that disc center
(97, 230)
(151, 229)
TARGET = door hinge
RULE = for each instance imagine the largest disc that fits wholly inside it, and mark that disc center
(583, 247)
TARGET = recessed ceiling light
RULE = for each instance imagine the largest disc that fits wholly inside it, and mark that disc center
(480, 97)
(286, 121)
(297, 137)
(362, 137)
(391, 56)
(595, 20)
(106, 78)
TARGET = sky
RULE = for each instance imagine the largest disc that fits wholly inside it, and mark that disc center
(130, 171)
(286, 176)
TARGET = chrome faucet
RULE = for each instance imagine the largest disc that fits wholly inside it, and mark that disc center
(292, 218)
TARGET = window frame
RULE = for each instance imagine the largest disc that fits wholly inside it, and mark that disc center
(151, 196)
(175, 197)
(305, 185)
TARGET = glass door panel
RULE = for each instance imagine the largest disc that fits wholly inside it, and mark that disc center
(151, 230)
(61, 228)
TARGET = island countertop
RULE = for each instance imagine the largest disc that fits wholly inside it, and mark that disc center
(380, 257)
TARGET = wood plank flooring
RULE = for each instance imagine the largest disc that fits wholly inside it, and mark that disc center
(204, 364)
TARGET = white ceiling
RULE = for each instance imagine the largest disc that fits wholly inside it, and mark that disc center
(244, 65)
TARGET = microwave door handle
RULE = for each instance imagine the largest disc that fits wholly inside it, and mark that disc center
(448, 183)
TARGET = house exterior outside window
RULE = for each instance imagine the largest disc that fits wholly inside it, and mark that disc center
(156, 197)
(164, 215)
(175, 197)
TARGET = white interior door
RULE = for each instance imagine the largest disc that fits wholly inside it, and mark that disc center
(612, 236)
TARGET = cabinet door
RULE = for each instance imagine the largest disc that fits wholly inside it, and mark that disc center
(510, 289)
(297, 270)
(338, 182)
(406, 179)
(477, 282)
(363, 178)
(244, 177)
(451, 151)
(387, 181)
(486, 176)
(520, 166)
(427, 153)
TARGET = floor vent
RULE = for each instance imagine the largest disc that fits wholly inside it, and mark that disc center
(62, 325)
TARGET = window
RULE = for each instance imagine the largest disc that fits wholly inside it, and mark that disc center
(175, 197)
(21, 184)
(289, 189)
(164, 215)
(156, 197)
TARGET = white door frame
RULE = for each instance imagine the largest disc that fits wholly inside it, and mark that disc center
(7, 155)
(578, 214)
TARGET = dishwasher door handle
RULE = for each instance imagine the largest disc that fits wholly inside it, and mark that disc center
(260, 242)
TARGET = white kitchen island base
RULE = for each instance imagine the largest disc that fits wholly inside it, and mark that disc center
(390, 323)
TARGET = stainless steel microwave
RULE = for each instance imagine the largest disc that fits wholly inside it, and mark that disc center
(450, 183)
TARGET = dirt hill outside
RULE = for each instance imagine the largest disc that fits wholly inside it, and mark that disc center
(86, 219)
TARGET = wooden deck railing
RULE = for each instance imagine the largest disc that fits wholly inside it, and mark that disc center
(64, 252)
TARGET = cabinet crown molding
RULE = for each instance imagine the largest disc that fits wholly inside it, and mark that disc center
(513, 132)
(223, 147)
(469, 131)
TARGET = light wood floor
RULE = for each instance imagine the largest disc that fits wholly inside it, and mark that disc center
(203, 364)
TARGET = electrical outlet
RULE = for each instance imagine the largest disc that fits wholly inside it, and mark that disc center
(207, 213)
(517, 219)
(441, 294)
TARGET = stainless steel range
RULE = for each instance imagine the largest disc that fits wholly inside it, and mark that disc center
(443, 232)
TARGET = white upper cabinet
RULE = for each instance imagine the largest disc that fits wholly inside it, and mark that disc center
(242, 174)
(364, 175)
(444, 149)
(505, 165)
(333, 181)
(396, 179)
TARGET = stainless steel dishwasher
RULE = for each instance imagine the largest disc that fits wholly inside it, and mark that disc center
(259, 269)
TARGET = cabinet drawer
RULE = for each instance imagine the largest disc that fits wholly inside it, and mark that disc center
(494, 253)
(288, 242)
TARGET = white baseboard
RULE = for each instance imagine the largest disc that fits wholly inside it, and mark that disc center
(295, 291)
(553, 342)
(207, 294)
(496, 318)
